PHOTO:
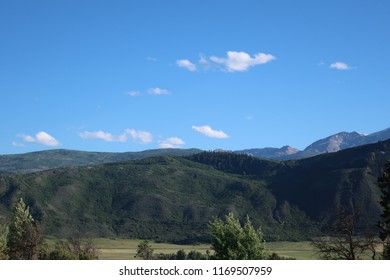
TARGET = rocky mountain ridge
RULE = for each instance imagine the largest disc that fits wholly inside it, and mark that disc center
(334, 143)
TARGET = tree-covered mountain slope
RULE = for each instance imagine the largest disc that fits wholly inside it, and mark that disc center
(318, 185)
(50, 159)
(173, 198)
(163, 198)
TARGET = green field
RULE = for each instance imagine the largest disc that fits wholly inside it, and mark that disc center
(124, 249)
(298, 250)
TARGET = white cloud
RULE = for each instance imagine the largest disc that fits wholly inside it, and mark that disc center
(142, 137)
(106, 136)
(340, 66)
(42, 138)
(209, 132)
(173, 142)
(158, 91)
(185, 63)
(241, 61)
(29, 138)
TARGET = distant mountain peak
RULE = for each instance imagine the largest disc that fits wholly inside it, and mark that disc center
(336, 142)
(289, 150)
(271, 153)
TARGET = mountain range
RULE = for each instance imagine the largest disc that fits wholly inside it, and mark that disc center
(59, 158)
(333, 143)
(44, 160)
(173, 198)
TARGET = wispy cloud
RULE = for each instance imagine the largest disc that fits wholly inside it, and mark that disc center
(133, 93)
(106, 136)
(17, 144)
(158, 91)
(241, 61)
(151, 91)
(233, 62)
(340, 66)
(209, 132)
(42, 138)
(151, 58)
(172, 142)
(185, 63)
(142, 137)
(204, 62)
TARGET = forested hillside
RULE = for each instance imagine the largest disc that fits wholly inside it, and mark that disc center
(173, 198)
(50, 159)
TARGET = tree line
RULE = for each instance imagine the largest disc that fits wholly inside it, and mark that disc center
(231, 241)
(23, 239)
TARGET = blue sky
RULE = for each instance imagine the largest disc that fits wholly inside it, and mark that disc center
(136, 75)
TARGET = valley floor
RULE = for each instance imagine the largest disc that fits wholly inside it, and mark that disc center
(124, 249)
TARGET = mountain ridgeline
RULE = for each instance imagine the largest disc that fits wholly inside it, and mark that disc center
(51, 159)
(333, 143)
(169, 198)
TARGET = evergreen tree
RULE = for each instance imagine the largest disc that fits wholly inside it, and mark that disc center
(384, 185)
(144, 251)
(231, 241)
(24, 237)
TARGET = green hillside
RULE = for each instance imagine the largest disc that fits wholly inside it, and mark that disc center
(318, 185)
(347, 179)
(173, 198)
(50, 159)
(162, 198)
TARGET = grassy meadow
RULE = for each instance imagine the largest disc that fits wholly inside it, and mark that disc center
(125, 249)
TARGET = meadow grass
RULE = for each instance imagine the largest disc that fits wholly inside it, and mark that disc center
(302, 250)
(125, 249)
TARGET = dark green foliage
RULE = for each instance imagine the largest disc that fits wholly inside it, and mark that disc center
(62, 251)
(275, 256)
(384, 185)
(24, 237)
(50, 159)
(195, 255)
(144, 251)
(23, 240)
(231, 241)
(182, 255)
(74, 248)
(172, 199)
(241, 164)
(163, 199)
(346, 179)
